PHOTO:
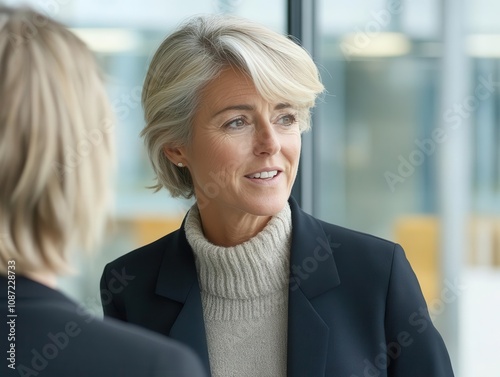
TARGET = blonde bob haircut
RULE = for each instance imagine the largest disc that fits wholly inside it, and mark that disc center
(55, 144)
(195, 54)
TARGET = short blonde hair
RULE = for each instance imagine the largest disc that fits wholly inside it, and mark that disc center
(55, 144)
(192, 56)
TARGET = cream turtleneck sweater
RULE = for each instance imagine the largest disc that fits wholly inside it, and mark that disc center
(244, 291)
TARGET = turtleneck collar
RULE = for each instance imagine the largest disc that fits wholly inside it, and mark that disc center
(255, 268)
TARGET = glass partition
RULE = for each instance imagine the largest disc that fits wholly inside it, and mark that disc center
(379, 139)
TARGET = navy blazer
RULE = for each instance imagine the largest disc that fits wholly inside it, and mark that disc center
(48, 335)
(355, 306)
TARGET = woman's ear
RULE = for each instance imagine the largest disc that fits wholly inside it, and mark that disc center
(175, 154)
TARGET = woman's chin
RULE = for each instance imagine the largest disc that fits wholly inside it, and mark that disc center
(268, 206)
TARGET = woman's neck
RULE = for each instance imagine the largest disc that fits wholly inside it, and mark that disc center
(230, 228)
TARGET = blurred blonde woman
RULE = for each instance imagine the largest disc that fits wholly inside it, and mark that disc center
(253, 284)
(56, 157)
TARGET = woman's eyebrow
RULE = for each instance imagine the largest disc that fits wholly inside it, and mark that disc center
(279, 106)
(234, 107)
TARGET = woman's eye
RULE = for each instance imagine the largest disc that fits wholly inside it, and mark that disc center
(236, 123)
(287, 120)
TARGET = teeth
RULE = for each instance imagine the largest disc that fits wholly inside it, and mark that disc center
(264, 174)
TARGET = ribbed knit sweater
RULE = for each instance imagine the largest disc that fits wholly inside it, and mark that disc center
(244, 291)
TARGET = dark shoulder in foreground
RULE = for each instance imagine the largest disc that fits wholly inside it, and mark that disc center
(59, 338)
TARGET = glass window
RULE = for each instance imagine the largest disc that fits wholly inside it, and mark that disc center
(380, 66)
(377, 145)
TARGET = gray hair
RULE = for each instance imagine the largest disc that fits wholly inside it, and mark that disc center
(195, 54)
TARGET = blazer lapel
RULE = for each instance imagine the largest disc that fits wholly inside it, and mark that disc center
(178, 281)
(312, 273)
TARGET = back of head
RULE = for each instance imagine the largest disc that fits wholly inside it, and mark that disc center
(55, 143)
(195, 54)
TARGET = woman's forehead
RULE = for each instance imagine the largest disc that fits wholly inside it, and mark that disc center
(233, 89)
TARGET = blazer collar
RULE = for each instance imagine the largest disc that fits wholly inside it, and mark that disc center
(178, 270)
(312, 264)
(178, 281)
(312, 272)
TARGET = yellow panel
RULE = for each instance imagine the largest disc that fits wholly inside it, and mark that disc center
(496, 250)
(150, 229)
(419, 236)
(482, 237)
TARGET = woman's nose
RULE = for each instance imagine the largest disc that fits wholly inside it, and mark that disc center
(267, 140)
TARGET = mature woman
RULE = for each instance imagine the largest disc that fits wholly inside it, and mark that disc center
(256, 286)
(56, 132)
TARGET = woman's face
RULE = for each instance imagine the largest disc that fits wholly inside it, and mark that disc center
(244, 151)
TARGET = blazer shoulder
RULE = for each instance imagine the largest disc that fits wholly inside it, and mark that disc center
(360, 253)
(355, 237)
(349, 247)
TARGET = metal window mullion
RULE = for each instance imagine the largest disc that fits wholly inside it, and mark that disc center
(301, 14)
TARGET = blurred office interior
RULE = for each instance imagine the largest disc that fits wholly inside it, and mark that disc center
(404, 143)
